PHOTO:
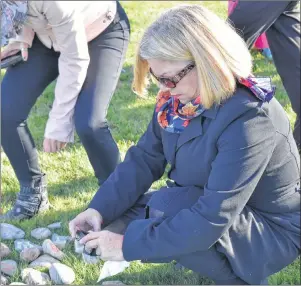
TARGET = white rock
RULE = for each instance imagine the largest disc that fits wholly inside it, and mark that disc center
(78, 248)
(50, 248)
(41, 233)
(111, 268)
(30, 254)
(21, 244)
(9, 231)
(117, 282)
(17, 283)
(89, 259)
(43, 261)
(3, 280)
(9, 267)
(34, 277)
(61, 274)
(60, 241)
(4, 250)
(55, 225)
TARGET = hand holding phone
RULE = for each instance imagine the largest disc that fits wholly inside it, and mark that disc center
(11, 60)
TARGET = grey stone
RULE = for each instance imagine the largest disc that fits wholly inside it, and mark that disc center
(60, 241)
(61, 274)
(50, 248)
(90, 259)
(9, 267)
(30, 254)
(41, 233)
(4, 250)
(78, 247)
(34, 277)
(43, 261)
(117, 282)
(10, 232)
(21, 244)
(55, 225)
(4, 280)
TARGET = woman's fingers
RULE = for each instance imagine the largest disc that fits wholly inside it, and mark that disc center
(13, 49)
(7, 53)
(24, 51)
(72, 228)
(52, 146)
(91, 245)
(90, 236)
(60, 145)
(46, 145)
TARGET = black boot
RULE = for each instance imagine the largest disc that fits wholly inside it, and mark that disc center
(31, 200)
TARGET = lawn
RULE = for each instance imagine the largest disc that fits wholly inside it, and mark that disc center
(71, 182)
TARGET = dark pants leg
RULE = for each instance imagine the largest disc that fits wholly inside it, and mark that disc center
(256, 245)
(107, 53)
(281, 22)
(209, 263)
(24, 83)
(20, 88)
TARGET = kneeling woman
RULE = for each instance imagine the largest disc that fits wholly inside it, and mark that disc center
(231, 209)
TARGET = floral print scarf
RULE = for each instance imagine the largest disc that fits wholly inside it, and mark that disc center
(13, 16)
(173, 116)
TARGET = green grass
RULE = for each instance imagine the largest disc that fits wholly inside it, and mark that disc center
(71, 182)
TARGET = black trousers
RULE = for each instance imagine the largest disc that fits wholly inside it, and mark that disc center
(25, 82)
(281, 22)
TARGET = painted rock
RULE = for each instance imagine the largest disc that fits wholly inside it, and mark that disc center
(61, 274)
(43, 261)
(9, 267)
(34, 277)
(30, 254)
(41, 233)
(4, 250)
(50, 248)
(55, 225)
(21, 244)
(9, 231)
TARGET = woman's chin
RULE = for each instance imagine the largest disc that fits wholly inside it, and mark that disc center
(183, 101)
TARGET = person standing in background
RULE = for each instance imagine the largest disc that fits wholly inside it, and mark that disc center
(261, 43)
(82, 45)
(280, 20)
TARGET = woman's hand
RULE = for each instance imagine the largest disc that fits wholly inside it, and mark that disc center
(88, 220)
(108, 244)
(52, 146)
(14, 48)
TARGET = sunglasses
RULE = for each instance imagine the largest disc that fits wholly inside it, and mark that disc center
(172, 82)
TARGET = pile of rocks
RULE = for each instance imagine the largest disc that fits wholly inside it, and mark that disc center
(49, 255)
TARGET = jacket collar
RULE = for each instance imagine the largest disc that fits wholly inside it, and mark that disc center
(195, 127)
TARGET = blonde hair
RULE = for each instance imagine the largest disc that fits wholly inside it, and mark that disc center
(193, 33)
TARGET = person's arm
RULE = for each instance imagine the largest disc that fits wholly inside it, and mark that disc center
(244, 150)
(69, 31)
(143, 164)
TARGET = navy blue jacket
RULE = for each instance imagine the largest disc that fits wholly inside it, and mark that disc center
(236, 154)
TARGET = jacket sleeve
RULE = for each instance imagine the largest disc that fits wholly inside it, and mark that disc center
(69, 31)
(143, 164)
(244, 150)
